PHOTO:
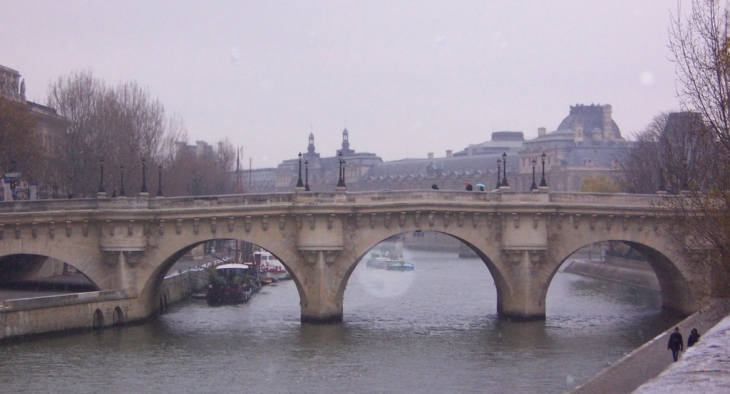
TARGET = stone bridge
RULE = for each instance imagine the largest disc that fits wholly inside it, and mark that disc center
(129, 244)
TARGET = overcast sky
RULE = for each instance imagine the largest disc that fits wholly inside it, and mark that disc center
(405, 77)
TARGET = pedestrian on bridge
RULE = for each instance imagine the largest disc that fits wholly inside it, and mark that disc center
(676, 343)
(694, 336)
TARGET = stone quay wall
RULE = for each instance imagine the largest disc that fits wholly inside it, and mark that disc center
(86, 311)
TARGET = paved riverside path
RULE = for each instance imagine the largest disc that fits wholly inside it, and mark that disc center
(649, 360)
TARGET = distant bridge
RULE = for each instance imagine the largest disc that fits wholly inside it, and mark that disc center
(128, 244)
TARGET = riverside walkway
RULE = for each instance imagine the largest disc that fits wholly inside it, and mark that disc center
(648, 363)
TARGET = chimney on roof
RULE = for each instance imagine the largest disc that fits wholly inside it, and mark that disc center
(449, 153)
(541, 131)
(430, 155)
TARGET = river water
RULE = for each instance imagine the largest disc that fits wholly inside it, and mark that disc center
(432, 330)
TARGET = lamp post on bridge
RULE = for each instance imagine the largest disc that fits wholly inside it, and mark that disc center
(504, 170)
(143, 190)
(543, 182)
(533, 187)
(306, 175)
(341, 181)
(121, 173)
(499, 173)
(299, 179)
(159, 180)
(101, 192)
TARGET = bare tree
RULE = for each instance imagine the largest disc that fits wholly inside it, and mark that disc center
(671, 154)
(121, 125)
(699, 42)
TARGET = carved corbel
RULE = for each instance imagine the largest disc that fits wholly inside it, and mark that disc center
(513, 256)
(460, 219)
(417, 218)
(358, 220)
(310, 219)
(576, 220)
(386, 221)
(196, 225)
(213, 224)
(51, 230)
(247, 223)
(68, 228)
(475, 219)
(447, 218)
(534, 256)
(330, 256)
(626, 222)
(231, 223)
(34, 229)
(402, 219)
(330, 220)
(110, 226)
(17, 230)
(516, 219)
(265, 222)
(85, 228)
(132, 258)
(490, 220)
(178, 226)
(592, 222)
(161, 227)
(609, 222)
(282, 222)
(298, 218)
(431, 218)
(561, 216)
(373, 218)
(655, 222)
(536, 219)
(641, 222)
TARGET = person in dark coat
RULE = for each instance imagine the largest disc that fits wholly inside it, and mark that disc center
(434, 187)
(676, 343)
(694, 336)
(469, 187)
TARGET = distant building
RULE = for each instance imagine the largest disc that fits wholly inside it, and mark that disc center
(49, 124)
(587, 143)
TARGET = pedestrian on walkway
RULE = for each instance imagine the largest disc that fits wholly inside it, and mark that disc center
(676, 343)
(694, 336)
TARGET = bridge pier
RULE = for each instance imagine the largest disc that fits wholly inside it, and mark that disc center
(522, 298)
(321, 301)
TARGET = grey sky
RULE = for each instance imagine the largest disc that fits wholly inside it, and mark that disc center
(404, 77)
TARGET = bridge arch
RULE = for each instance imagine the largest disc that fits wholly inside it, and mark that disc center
(25, 267)
(168, 253)
(371, 239)
(678, 292)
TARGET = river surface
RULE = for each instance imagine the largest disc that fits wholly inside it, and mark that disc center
(432, 330)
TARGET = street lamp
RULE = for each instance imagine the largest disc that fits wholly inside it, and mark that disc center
(101, 179)
(341, 181)
(306, 175)
(504, 170)
(144, 176)
(299, 180)
(543, 182)
(534, 185)
(159, 180)
(499, 173)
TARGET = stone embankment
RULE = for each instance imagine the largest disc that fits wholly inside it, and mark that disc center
(81, 311)
(614, 269)
(649, 360)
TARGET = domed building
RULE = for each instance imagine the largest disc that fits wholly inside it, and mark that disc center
(586, 144)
